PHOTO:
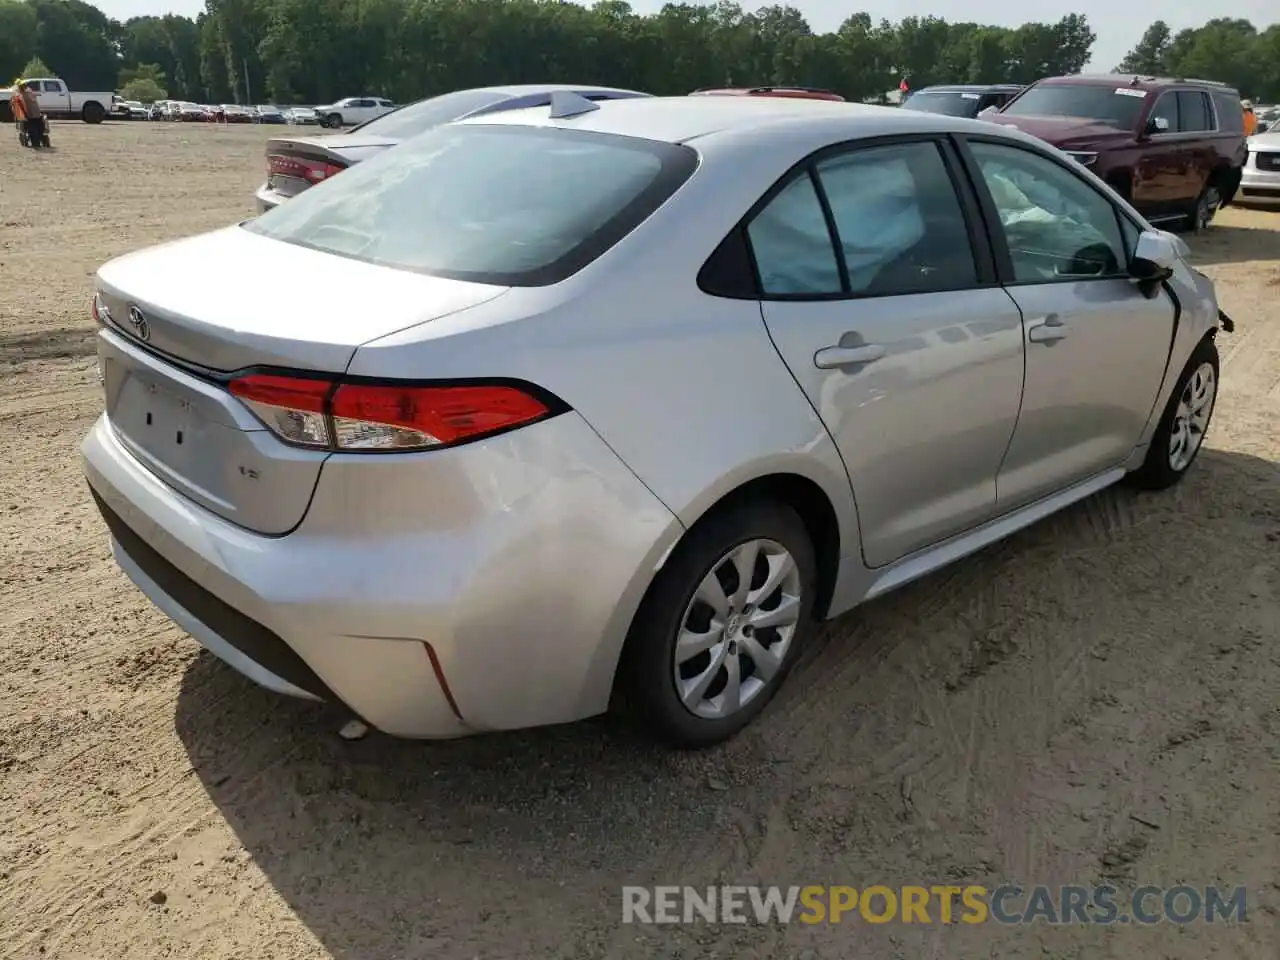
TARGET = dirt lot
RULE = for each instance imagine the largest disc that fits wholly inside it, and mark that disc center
(1097, 699)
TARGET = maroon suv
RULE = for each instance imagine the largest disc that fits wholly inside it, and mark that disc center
(1173, 148)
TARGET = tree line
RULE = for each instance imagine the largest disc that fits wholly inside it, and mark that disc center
(313, 51)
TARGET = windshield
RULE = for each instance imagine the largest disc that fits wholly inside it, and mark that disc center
(1115, 106)
(509, 205)
(422, 116)
(953, 103)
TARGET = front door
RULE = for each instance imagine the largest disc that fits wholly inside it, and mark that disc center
(897, 333)
(1096, 348)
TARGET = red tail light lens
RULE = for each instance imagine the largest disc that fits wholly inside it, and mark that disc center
(381, 417)
(312, 171)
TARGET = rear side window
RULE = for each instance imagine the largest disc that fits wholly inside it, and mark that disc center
(1230, 113)
(792, 244)
(1193, 112)
(900, 226)
(509, 205)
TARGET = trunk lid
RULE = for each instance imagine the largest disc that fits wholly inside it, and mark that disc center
(339, 150)
(169, 331)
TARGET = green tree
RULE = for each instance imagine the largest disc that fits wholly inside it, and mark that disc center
(35, 67)
(1151, 55)
(143, 89)
(17, 37)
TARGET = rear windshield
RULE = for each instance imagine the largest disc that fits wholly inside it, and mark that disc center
(422, 116)
(953, 103)
(1115, 106)
(509, 205)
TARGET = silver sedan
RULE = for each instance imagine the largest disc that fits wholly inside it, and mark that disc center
(608, 403)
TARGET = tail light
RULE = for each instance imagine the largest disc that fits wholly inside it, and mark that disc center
(387, 417)
(312, 171)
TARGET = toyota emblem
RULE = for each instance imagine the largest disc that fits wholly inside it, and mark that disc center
(140, 325)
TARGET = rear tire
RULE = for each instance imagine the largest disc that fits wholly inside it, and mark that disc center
(93, 112)
(1206, 207)
(694, 676)
(1179, 436)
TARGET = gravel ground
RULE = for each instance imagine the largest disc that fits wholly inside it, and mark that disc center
(1097, 698)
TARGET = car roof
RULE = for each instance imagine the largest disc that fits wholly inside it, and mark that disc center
(1138, 81)
(523, 89)
(681, 119)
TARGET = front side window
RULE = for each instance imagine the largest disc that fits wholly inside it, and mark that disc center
(1057, 227)
(1165, 109)
(792, 245)
(509, 205)
(1114, 106)
(900, 225)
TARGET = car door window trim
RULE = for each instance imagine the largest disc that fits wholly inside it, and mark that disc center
(985, 260)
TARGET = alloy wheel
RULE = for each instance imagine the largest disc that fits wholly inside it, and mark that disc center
(736, 630)
(1191, 418)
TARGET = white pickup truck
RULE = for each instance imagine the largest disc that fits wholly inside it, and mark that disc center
(59, 103)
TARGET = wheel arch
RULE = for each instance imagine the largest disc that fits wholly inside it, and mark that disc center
(812, 503)
(814, 507)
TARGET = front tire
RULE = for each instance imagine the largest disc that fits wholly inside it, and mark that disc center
(721, 626)
(333, 121)
(1180, 434)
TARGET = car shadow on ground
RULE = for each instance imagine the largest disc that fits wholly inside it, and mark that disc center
(374, 843)
(1230, 244)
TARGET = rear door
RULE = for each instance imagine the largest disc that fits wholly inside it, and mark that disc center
(1196, 127)
(879, 293)
(1096, 348)
(53, 98)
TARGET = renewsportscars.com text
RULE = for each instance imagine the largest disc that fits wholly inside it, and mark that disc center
(1007, 904)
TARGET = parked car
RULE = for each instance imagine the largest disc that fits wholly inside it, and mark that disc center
(301, 116)
(295, 163)
(1173, 147)
(233, 113)
(962, 100)
(1260, 182)
(58, 102)
(130, 110)
(476, 468)
(798, 93)
(267, 113)
(352, 111)
(189, 112)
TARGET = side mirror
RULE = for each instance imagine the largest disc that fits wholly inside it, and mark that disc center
(1153, 260)
(1158, 125)
(987, 111)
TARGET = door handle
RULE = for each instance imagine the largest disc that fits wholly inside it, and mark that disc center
(830, 357)
(1050, 330)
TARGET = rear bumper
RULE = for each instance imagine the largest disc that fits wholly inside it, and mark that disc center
(484, 588)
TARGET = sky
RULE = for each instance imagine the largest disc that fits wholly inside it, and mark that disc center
(1118, 25)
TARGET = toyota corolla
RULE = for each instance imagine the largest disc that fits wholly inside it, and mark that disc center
(607, 403)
